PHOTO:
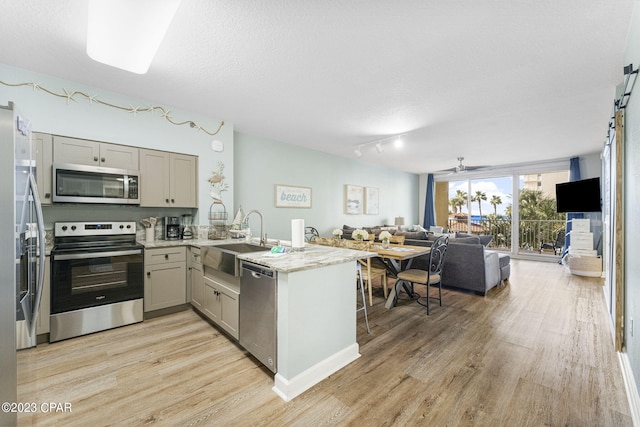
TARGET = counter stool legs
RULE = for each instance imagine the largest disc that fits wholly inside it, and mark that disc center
(364, 299)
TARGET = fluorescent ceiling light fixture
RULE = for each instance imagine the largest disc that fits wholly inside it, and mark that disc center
(126, 34)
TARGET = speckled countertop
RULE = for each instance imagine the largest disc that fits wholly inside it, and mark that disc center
(313, 256)
(192, 242)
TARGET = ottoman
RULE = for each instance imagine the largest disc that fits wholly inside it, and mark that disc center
(505, 266)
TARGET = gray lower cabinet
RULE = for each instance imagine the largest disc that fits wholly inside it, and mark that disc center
(196, 278)
(165, 281)
(221, 304)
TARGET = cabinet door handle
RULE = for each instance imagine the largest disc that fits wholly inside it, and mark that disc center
(166, 200)
(102, 159)
(95, 159)
(47, 195)
(166, 256)
(148, 274)
(173, 201)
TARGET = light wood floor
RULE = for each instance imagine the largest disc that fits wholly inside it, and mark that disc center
(535, 352)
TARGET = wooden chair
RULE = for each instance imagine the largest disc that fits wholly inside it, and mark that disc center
(368, 272)
(398, 240)
(431, 277)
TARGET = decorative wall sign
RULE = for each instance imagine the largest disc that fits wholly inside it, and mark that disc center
(371, 202)
(289, 196)
(354, 199)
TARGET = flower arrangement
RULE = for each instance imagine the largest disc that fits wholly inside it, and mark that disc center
(359, 234)
(217, 182)
(385, 236)
(337, 233)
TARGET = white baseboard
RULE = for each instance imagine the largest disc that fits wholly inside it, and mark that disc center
(631, 388)
(287, 389)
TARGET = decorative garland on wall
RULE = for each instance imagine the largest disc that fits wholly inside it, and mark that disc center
(70, 96)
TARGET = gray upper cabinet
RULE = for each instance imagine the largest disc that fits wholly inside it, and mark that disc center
(43, 146)
(95, 153)
(168, 179)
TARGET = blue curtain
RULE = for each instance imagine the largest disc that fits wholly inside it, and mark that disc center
(574, 175)
(429, 205)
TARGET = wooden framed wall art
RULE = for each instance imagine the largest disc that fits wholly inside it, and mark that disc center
(354, 199)
(371, 201)
(290, 196)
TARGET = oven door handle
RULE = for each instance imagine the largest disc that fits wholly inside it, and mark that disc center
(64, 257)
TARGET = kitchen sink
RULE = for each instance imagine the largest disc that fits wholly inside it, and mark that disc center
(224, 258)
(242, 248)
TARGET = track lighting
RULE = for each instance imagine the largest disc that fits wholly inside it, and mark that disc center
(379, 144)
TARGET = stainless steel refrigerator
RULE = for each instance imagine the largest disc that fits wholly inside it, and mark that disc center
(22, 249)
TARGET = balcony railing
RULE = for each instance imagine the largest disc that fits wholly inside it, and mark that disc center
(532, 233)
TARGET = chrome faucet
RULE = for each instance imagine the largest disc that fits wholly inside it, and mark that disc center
(263, 237)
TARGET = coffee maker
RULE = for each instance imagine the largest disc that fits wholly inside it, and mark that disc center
(187, 234)
(171, 228)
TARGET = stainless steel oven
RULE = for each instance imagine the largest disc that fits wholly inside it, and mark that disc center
(97, 278)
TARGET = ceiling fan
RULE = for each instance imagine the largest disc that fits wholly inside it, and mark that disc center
(460, 168)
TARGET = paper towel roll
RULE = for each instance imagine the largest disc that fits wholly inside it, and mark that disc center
(297, 233)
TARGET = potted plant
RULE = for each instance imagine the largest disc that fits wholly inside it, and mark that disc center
(385, 237)
(359, 235)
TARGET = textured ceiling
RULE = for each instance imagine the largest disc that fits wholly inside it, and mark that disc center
(494, 81)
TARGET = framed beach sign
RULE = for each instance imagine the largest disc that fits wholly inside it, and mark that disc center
(354, 199)
(371, 202)
(289, 196)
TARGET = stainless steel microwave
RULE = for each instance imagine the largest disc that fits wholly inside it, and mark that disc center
(92, 184)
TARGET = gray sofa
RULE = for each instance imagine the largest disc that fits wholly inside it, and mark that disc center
(467, 264)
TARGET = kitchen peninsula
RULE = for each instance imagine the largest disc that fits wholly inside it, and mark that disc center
(316, 311)
(316, 326)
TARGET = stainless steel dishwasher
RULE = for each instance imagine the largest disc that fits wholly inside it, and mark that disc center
(258, 314)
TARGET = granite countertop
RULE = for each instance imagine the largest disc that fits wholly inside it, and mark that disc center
(190, 242)
(313, 256)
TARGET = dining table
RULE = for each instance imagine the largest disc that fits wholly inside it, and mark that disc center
(394, 257)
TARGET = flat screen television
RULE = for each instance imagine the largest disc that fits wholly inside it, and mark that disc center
(579, 196)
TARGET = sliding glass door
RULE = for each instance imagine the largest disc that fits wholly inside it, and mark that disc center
(482, 206)
(530, 226)
(540, 228)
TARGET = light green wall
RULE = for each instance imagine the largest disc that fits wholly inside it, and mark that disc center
(262, 163)
(632, 203)
(87, 120)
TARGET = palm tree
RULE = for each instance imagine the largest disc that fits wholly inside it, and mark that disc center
(495, 201)
(479, 197)
(461, 199)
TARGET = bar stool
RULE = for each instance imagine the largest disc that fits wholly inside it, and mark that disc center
(362, 307)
